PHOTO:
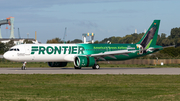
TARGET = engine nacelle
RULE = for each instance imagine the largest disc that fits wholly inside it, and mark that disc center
(84, 61)
(57, 64)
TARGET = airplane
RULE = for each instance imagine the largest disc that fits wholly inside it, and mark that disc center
(83, 54)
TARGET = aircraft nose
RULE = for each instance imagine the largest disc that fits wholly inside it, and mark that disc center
(6, 56)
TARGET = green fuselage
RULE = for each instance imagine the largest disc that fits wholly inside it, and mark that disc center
(101, 48)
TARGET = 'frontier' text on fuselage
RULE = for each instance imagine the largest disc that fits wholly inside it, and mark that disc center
(58, 50)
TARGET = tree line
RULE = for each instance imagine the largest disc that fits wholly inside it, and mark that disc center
(162, 40)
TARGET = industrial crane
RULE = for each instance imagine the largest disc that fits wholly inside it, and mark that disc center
(9, 21)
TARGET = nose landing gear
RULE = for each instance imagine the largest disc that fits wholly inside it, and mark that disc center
(23, 66)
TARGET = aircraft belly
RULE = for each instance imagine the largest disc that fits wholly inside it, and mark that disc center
(49, 58)
(69, 57)
(46, 58)
(23, 58)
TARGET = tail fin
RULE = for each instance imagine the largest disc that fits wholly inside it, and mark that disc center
(150, 37)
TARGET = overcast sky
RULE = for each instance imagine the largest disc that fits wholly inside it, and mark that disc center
(105, 18)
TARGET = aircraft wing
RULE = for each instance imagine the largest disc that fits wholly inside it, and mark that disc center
(111, 54)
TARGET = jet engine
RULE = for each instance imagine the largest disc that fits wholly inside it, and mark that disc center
(57, 64)
(84, 61)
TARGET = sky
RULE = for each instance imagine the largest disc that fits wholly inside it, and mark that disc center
(104, 18)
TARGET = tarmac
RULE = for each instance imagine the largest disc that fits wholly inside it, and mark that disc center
(86, 70)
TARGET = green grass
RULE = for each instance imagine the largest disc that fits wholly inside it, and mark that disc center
(76, 87)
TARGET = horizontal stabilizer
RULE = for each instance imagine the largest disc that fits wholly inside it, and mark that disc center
(157, 48)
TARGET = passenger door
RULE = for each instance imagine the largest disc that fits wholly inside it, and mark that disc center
(27, 50)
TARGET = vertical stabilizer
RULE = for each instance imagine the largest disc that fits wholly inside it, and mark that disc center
(150, 37)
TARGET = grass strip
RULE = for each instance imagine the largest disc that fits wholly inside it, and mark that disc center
(80, 87)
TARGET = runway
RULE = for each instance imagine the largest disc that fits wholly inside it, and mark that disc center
(157, 71)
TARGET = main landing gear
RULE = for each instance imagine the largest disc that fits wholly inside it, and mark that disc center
(96, 66)
(77, 67)
(23, 66)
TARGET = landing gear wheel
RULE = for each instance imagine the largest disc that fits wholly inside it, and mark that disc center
(96, 66)
(77, 67)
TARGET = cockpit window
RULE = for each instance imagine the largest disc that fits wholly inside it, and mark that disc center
(14, 49)
(11, 50)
